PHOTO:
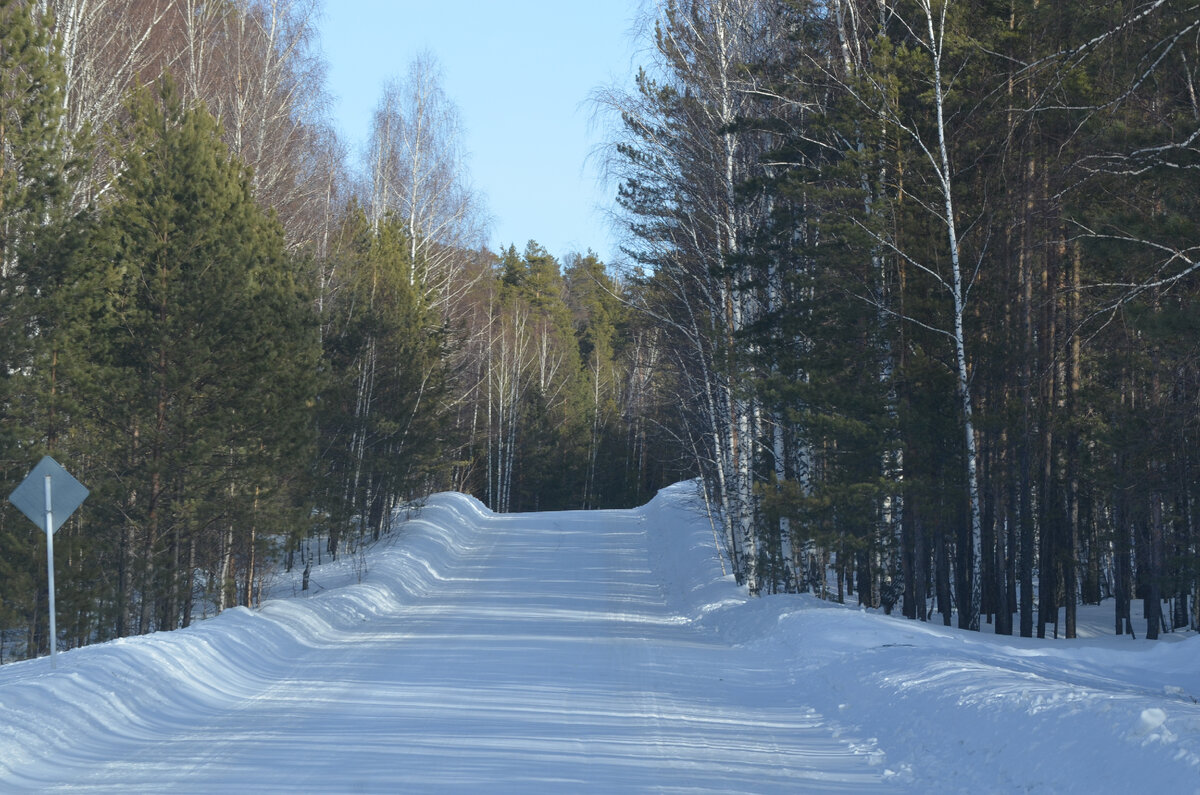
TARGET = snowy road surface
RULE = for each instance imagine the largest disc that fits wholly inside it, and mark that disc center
(597, 652)
(533, 653)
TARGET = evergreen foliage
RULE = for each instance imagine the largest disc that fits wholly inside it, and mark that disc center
(381, 419)
(33, 181)
(182, 357)
(963, 316)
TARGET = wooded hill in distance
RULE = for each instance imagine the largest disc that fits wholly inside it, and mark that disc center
(911, 289)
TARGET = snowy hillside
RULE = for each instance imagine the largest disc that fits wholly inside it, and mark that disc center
(597, 652)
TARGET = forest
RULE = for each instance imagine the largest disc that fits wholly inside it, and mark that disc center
(908, 288)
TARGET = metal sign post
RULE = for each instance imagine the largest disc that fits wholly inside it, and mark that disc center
(48, 495)
(50, 573)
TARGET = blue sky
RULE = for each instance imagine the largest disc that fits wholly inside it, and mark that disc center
(520, 73)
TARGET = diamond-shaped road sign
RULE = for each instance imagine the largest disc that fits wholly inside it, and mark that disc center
(48, 495)
(66, 494)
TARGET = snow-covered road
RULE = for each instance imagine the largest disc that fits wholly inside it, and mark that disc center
(592, 652)
(529, 653)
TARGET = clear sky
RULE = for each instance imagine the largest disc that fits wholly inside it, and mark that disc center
(520, 73)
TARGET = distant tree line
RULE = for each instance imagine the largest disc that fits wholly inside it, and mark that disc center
(252, 351)
(927, 277)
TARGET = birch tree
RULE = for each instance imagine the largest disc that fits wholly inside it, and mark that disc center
(416, 171)
(680, 167)
(109, 47)
(271, 104)
(924, 51)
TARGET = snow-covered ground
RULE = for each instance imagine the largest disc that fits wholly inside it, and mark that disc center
(599, 652)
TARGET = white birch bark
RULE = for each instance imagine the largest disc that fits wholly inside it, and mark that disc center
(418, 172)
(960, 290)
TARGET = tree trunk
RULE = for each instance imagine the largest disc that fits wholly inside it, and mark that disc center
(942, 574)
(1153, 593)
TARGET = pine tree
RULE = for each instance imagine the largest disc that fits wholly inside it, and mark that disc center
(33, 181)
(382, 415)
(31, 164)
(548, 462)
(595, 304)
(191, 362)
